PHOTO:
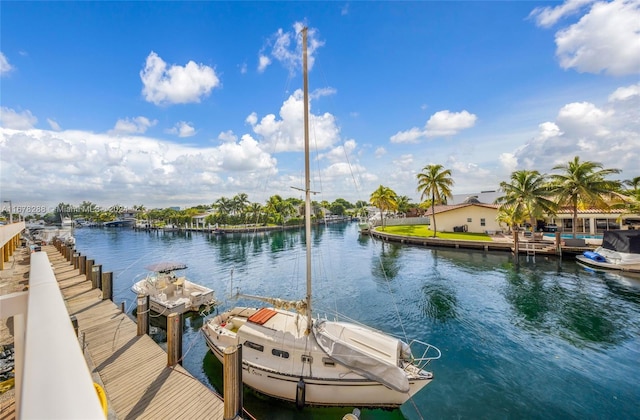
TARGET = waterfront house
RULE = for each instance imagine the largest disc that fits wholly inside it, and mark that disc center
(466, 217)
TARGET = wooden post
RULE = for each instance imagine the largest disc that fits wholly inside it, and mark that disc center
(232, 377)
(88, 271)
(516, 249)
(143, 314)
(122, 308)
(174, 339)
(107, 286)
(75, 260)
(96, 276)
(70, 252)
(82, 264)
(558, 243)
(74, 322)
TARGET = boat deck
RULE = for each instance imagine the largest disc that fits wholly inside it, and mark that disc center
(132, 369)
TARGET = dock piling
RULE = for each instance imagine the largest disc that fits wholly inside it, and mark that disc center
(82, 264)
(232, 377)
(88, 271)
(174, 339)
(96, 276)
(107, 286)
(143, 314)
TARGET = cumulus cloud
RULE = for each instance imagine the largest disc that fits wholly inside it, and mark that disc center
(441, 124)
(183, 129)
(137, 125)
(17, 120)
(286, 48)
(5, 67)
(102, 167)
(605, 39)
(176, 84)
(286, 134)
(608, 133)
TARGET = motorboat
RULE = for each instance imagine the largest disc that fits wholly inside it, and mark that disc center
(620, 250)
(171, 293)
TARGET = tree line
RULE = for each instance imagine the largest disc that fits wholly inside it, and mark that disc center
(527, 197)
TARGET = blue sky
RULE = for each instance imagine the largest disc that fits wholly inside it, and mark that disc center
(180, 103)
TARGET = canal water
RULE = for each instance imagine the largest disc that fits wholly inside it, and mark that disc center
(540, 338)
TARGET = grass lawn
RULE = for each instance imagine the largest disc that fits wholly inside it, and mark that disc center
(421, 231)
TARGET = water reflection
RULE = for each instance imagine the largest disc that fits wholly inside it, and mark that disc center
(564, 306)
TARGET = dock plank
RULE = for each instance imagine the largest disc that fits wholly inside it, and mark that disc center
(133, 369)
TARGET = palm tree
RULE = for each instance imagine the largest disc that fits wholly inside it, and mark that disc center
(404, 204)
(528, 194)
(435, 182)
(383, 198)
(509, 216)
(583, 184)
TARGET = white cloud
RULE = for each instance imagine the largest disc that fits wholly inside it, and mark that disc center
(102, 167)
(549, 16)
(446, 123)
(380, 151)
(624, 93)
(5, 67)
(176, 84)
(137, 125)
(508, 161)
(17, 120)
(53, 124)
(286, 47)
(286, 134)
(441, 124)
(606, 39)
(609, 134)
(183, 129)
(263, 63)
(341, 153)
(227, 136)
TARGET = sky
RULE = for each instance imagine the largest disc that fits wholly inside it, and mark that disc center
(180, 103)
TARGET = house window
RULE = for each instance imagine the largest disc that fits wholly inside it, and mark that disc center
(468, 220)
(280, 353)
(482, 222)
(254, 346)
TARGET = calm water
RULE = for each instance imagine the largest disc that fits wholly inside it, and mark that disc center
(545, 338)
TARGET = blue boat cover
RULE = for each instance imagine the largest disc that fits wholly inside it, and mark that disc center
(594, 256)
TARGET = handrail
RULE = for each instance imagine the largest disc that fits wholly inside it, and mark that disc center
(424, 360)
(7, 232)
(56, 382)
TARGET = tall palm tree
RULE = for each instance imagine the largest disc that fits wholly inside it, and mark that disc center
(383, 198)
(583, 184)
(528, 194)
(435, 182)
(404, 204)
(510, 216)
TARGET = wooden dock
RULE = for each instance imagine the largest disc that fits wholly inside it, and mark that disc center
(132, 369)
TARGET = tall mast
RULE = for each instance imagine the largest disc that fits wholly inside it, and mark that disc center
(307, 178)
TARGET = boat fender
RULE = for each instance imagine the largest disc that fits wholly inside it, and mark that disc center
(102, 396)
(300, 394)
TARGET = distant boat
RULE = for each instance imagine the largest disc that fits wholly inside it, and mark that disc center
(120, 223)
(169, 293)
(620, 250)
(290, 355)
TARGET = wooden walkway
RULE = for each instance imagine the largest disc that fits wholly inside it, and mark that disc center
(132, 369)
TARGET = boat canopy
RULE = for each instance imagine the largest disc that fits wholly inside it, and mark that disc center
(368, 353)
(622, 241)
(166, 267)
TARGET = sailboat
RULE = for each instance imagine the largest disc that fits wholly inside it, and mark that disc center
(289, 355)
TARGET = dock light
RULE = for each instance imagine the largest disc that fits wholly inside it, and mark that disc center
(10, 210)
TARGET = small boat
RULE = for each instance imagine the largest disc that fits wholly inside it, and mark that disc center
(620, 250)
(290, 355)
(169, 293)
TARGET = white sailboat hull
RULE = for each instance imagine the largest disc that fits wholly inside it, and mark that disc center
(327, 382)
